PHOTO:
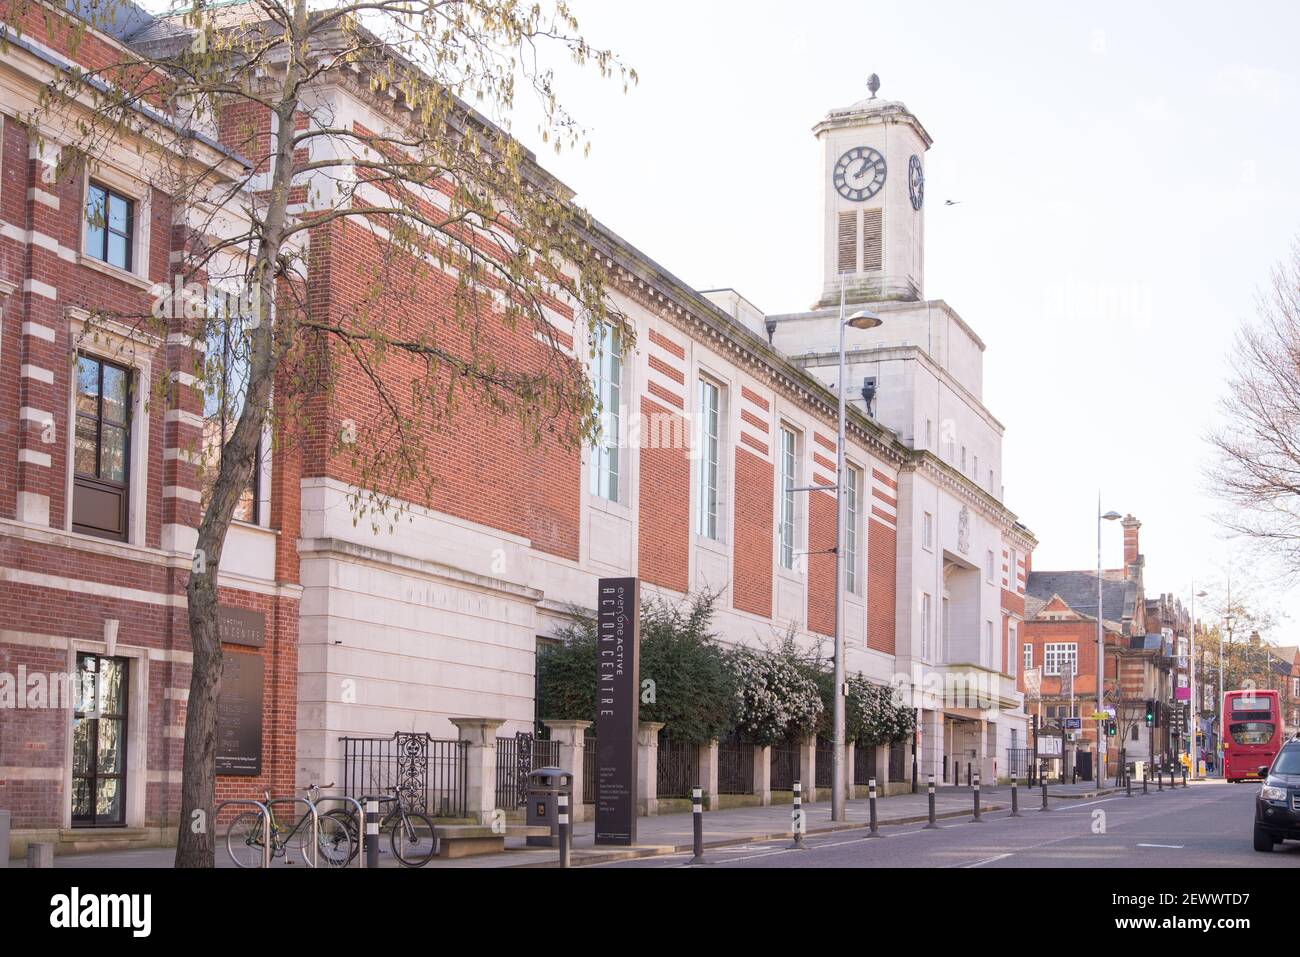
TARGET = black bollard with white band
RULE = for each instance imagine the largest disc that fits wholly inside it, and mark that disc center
(697, 812)
(930, 789)
(871, 796)
(562, 811)
(796, 817)
(977, 819)
(372, 832)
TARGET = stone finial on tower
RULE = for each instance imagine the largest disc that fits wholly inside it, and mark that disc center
(873, 84)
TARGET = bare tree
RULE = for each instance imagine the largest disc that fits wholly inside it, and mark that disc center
(1256, 469)
(468, 246)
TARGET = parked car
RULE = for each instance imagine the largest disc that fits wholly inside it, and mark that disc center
(1277, 808)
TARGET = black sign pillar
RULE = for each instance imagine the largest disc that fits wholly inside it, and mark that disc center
(618, 682)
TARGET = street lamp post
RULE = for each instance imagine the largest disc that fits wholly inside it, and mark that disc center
(863, 319)
(1194, 706)
(1100, 773)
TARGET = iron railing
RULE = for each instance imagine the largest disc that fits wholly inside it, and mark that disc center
(823, 765)
(785, 766)
(1019, 761)
(678, 769)
(864, 763)
(735, 767)
(589, 769)
(898, 761)
(517, 757)
(430, 774)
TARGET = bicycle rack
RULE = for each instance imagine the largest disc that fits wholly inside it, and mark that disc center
(361, 823)
(315, 823)
(266, 824)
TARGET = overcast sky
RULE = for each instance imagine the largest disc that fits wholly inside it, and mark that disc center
(1127, 175)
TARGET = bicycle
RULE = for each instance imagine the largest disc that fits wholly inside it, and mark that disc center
(412, 835)
(246, 845)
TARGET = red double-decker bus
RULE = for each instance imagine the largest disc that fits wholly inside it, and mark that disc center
(1252, 733)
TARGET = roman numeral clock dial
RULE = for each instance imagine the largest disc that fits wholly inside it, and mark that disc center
(860, 174)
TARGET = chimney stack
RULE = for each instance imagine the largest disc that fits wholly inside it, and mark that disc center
(1131, 549)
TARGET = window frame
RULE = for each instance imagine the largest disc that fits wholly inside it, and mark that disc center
(1052, 652)
(708, 476)
(852, 489)
(605, 468)
(122, 489)
(927, 531)
(129, 237)
(927, 616)
(257, 480)
(1027, 656)
(787, 506)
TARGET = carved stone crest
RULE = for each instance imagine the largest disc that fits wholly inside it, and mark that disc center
(963, 531)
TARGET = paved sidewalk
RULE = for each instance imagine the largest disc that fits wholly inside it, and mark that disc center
(674, 832)
(656, 835)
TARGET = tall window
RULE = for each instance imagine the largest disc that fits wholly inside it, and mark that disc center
(988, 567)
(1011, 650)
(706, 515)
(1029, 656)
(929, 433)
(99, 728)
(227, 359)
(788, 472)
(1058, 657)
(607, 379)
(927, 530)
(851, 484)
(110, 226)
(102, 452)
(926, 625)
(988, 644)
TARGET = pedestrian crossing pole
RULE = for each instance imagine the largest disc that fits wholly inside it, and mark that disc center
(930, 788)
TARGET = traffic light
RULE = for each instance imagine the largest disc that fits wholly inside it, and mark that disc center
(1151, 713)
(1111, 729)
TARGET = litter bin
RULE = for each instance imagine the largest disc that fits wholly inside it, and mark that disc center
(545, 785)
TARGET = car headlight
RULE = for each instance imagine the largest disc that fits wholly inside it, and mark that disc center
(1272, 794)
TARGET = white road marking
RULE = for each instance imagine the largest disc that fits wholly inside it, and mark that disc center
(1172, 847)
(987, 860)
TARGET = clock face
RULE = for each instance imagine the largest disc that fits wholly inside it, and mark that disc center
(916, 182)
(860, 174)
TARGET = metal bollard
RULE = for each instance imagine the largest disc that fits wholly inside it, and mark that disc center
(562, 809)
(931, 790)
(1144, 782)
(977, 819)
(875, 824)
(1044, 807)
(796, 817)
(697, 811)
(1128, 786)
(1015, 797)
(372, 833)
(1160, 779)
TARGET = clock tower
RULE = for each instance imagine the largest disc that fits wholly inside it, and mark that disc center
(873, 182)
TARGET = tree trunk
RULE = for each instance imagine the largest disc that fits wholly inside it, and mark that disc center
(196, 839)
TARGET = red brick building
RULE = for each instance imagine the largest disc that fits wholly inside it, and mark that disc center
(99, 497)
(334, 629)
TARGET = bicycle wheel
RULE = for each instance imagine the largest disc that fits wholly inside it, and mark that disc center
(244, 839)
(334, 846)
(348, 821)
(413, 840)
